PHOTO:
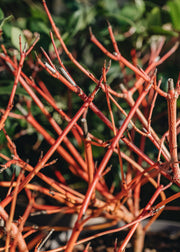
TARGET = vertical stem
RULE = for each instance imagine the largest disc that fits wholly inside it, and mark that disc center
(88, 151)
(137, 189)
(145, 123)
(172, 107)
(147, 207)
(89, 159)
(113, 125)
(78, 227)
(13, 92)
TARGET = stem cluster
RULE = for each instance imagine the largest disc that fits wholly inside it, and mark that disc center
(100, 199)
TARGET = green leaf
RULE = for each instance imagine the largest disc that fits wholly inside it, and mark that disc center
(7, 29)
(160, 31)
(174, 7)
(37, 12)
(38, 26)
(5, 20)
(21, 23)
(122, 18)
(111, 6)
(15, 33)
(6, 90)
(131, 11)
(175, 188)
(140, 4)
(141, 27)
(154, 17)
(1, 14)
(81, 18)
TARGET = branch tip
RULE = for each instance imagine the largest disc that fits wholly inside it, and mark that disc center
(122, 87)
(109, 64)
(84, 127)
(170, 84)
(108, 23)
(25, 47)
(90, 31)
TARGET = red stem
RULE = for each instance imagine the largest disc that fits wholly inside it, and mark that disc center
(101, 168)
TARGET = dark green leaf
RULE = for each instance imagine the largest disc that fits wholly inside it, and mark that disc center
(38, 26)
(6, 90)
(38, 12)
(174, 6)
(81, 19)
(154, 17)
(160, 31)
(122, 18)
